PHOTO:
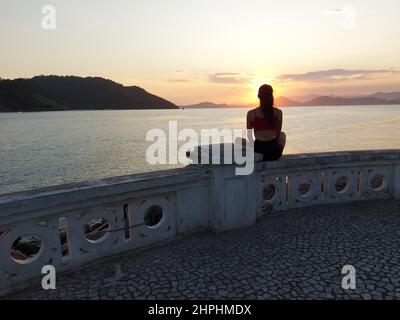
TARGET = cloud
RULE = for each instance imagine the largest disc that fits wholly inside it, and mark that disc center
(229, 78)
(335, 75)
(178, 80)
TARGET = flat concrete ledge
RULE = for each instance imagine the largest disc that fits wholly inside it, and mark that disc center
(78, 186)
(82, 193)
(61, 195)
(331, 158)
(287, 161)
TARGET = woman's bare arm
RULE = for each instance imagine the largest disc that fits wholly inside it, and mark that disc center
(280, 121)
(250, 119)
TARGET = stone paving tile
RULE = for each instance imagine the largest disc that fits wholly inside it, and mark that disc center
(298, 254)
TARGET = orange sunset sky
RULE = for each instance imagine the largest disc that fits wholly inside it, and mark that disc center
(190, 51)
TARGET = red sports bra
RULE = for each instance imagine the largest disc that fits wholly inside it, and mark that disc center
(260, 124)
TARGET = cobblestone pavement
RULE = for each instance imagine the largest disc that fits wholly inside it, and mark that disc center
(298, 254)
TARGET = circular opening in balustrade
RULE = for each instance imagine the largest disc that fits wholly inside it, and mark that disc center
(153, 216)
(97, 230)
(377, 182)
(26, 249)
(269, 192)
(341, 184)
(305, 188)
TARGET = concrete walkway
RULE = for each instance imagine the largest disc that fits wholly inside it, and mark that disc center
(298, 254)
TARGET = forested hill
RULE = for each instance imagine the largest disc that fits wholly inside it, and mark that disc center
(48, 93)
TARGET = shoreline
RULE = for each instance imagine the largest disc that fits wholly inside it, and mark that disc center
(234, 108)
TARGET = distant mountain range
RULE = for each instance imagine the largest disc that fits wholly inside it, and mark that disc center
(387, 95)
(379, 98)
(51, 93)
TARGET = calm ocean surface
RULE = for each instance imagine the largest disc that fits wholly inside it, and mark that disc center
(50, 148)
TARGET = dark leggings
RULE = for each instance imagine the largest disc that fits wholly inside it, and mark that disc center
(271, 150)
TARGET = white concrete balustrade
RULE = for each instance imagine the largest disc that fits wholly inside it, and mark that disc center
(69, 226)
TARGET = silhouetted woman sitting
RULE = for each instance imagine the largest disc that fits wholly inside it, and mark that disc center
(267, 124)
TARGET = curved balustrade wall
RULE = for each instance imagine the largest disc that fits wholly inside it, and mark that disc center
(307, 180)
(69, 226)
